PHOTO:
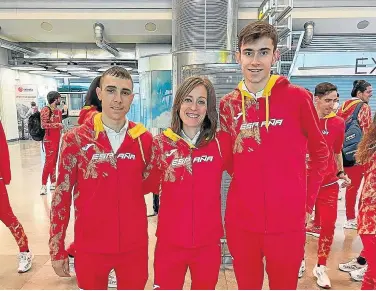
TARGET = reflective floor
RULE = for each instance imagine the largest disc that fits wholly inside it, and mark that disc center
(32, 211)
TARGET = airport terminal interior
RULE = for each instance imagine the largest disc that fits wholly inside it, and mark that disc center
(62, 46)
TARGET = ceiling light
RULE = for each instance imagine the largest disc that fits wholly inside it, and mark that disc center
(71, 68)
(28, 68)
(150, 26)
(363, 24)
(46, 26)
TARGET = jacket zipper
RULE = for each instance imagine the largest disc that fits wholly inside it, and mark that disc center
(193, 210)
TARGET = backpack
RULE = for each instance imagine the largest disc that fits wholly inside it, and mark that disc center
(35, 126)
(353, 136)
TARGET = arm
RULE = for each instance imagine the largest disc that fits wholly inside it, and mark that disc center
(365, 118)
(5, 172)
(45, 120)
(338, 144)
(62, 198)
(153, 173)
(317, 149)
(224, 140)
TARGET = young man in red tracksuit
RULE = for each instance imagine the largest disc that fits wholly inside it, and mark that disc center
(366, 155)
(6, 213)
(103, 161)
(273, 124)
(187, 164)
(52, 123)
(333, 129)
(361, 93)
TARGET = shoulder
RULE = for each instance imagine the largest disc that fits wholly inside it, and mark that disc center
(230, 97)
(297, 93)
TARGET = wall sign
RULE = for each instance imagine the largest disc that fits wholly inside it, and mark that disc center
(360, 66)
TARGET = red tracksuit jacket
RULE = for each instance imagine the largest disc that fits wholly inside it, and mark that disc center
(51, 122)
(269, 192)
(367, 209)
(189, 180)
(333, 130)
(109, 203)
(364, 117)
(87, 113)
(5, 172)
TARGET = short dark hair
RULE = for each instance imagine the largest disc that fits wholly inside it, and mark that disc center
(324, 88)
(256, 30)
(91, 97)
(33, 103)
(359, 85)
(117, 72)
(52, 96)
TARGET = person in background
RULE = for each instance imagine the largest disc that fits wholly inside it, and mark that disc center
(25, 257)
(333, 130)
(92, 103)
(51, 121)
(361, 93)
(366, 155)
(186, 167)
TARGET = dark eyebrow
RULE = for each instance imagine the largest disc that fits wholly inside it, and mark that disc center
(198, 97)
(111, 87)
(262, 49)
(127, 90)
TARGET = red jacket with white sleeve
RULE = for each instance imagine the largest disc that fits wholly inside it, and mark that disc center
(270, 136)
(110, 211)
(189, 181)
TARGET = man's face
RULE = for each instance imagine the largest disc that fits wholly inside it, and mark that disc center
(325, 104)
(256, 59)
(116, 96)
(366, 95)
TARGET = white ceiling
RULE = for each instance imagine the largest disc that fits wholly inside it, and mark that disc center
(125, 21)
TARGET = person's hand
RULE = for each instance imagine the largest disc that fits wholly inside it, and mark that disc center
(61, 267)
(346, 181)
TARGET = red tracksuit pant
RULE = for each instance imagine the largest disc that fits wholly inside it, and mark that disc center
(131, 269)
(172, 262)
(283, 254)
(10, 220)
(325, 217)
(355, 174)
(369, 251)
(51, 149)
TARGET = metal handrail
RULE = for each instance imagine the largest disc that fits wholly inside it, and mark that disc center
(296, 52)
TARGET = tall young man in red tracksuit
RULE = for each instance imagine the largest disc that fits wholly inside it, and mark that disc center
(102, 161)
(272, 124)
(361, 93)
(52, 123)
(6, 213)
(333, 129)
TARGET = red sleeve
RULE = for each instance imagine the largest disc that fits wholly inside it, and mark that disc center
(317, 149)
(338, 143)
(5, 172)
(365, 118)
(225, 117)
(153, 173)
(224, 140)
(62, 198)
(45, 119)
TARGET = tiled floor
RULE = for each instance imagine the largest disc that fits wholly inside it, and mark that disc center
(33, 212)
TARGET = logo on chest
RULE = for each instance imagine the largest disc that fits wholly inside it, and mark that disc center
(251, 125)
(108, 156)
(185, 161)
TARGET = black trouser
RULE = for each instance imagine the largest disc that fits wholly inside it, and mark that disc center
(156, 203)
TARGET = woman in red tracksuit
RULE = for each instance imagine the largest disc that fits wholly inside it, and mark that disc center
(366, 155)
(186, 168)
